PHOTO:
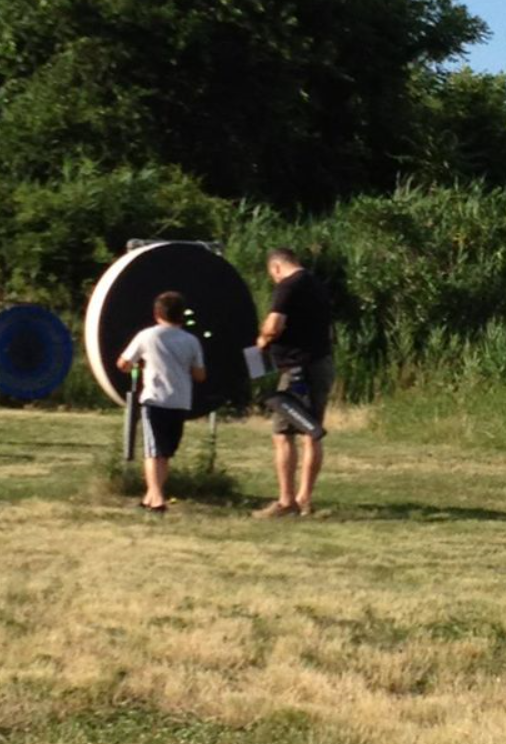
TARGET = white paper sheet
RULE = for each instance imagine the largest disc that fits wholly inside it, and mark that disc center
(257, 363)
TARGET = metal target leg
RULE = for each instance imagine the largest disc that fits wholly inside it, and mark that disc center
(213, 437)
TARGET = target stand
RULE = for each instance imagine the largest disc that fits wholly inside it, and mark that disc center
(220, 313)
(35, 352)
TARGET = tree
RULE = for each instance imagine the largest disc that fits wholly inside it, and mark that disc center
(461, 128)
(56, 236)
(293, 101)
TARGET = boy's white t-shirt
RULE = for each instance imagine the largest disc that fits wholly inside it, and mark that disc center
(168, 353)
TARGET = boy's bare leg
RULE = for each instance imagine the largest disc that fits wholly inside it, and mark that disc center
(285, 455)
(312, 459)
(156, 470)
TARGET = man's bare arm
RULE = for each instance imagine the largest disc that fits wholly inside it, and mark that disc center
(272, 327)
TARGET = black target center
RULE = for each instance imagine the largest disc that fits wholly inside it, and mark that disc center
(26, 352)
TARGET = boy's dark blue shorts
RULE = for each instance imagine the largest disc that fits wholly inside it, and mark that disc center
(162, 429)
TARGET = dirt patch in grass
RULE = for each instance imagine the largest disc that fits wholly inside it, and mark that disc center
(29, 470)
(337, 419)
(418, 463)
(349, 419)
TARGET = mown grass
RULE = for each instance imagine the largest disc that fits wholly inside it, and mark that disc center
(382, 619)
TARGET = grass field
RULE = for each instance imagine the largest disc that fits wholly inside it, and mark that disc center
(382, 619)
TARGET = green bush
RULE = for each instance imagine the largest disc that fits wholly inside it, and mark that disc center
(416, 280)
(80, 389)
(57, 236)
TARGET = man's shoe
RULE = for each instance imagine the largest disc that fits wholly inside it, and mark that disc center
(305, 510)
(274, 510)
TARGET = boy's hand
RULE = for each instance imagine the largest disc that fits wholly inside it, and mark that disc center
(124, 365)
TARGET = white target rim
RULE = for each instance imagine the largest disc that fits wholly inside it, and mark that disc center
(94, 312)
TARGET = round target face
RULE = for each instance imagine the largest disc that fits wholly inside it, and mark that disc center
(220, 313)
(35, 352)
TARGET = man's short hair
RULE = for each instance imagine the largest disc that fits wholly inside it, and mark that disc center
(170, 306)
(285, 254)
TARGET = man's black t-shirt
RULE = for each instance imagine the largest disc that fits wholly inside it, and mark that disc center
(306, 336)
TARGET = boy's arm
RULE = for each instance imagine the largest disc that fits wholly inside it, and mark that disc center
(197, 369)
(130, 356)
(198, 374)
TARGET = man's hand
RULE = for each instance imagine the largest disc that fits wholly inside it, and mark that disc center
(262, 342)
(272, 327)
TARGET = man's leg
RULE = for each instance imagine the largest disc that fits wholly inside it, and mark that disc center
(320, 379)
(312, 459)
(285, 457)
(156, 470)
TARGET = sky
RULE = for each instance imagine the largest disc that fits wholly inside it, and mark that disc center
(491, 56)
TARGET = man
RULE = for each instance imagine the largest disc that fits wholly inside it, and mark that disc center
(172, 360)
(297, 331)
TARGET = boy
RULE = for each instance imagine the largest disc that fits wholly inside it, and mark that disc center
(172, 359)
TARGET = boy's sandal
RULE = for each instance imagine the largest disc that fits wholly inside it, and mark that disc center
(158, 509)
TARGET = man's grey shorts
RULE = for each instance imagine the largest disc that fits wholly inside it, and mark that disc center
(319, 377)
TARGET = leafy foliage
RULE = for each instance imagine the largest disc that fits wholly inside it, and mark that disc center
(460, 128)
(215, 120)
(413, 277)
(291, 102)
(59, 234)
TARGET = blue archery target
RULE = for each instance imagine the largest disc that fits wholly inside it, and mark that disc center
(35, 352)
(221, 313)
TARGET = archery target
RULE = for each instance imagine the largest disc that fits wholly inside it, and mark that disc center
(35, 352)
(220, 312)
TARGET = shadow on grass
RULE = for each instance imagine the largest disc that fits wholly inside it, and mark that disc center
(219, 489)
(10, 458)
(411, 511)
(215, 488)
(199, 485)
(38, 444)
(135, 724)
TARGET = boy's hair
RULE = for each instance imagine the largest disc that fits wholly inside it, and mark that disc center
(170, 306)
(285, 254)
